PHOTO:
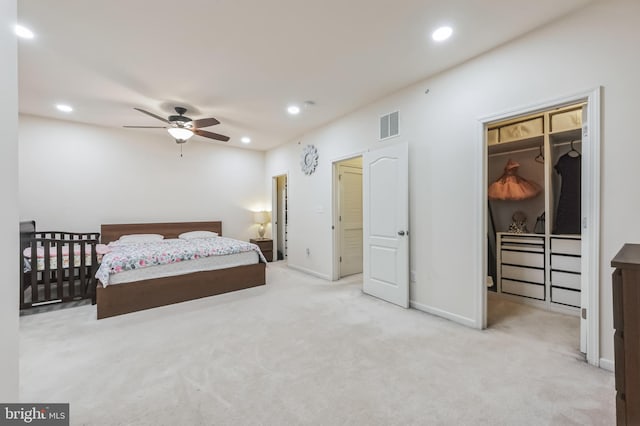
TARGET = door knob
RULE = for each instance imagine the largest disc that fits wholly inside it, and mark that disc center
(401, 233)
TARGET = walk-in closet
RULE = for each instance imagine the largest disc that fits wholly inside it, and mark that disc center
(534, 200)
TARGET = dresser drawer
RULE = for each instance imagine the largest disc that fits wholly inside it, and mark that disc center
(566, 279)
(566, 263)
(523, 258)
(565, 297)
(522, 241)
(523, 274)
(566, 120)
(618, 318)
(621, 409)
(618, 347)
(534, 291)
(522, 130)
(565, 246)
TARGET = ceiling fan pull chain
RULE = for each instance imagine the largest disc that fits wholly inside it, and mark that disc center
(180, 150)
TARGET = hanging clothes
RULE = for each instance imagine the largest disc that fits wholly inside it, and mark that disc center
(510, 186)
(568, 212)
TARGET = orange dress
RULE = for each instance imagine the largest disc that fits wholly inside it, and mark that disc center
(510, 186)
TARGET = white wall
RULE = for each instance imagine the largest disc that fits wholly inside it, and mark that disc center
(9, 212)
(74, 177)
(596, 46)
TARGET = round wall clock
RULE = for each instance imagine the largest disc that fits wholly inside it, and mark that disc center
(309, 159)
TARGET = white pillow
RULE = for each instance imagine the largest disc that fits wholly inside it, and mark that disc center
(192, 235)
(140, 238)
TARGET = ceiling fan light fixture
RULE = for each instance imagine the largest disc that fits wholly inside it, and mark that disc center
(180, 133)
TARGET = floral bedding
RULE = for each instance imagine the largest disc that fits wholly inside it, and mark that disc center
(126, 257)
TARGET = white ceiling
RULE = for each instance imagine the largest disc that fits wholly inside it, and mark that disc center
(244, 61)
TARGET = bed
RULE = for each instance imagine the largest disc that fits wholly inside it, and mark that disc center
(56, 266)
(150, 293)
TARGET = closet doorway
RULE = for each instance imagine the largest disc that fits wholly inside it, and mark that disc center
(279, 216)
(348, 228)
(541, 212)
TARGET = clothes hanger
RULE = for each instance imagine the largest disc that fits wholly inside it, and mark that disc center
(573, 152)
(540, 157)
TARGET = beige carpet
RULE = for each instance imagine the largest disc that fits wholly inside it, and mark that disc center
(305, 351)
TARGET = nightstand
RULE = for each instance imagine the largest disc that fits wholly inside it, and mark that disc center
(266, 247)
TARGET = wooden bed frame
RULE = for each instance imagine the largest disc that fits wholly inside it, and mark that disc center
(139, 295)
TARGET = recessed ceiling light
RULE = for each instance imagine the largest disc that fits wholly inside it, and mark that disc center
(64, 108)
(442, 33)
(245, 139)
(293, 109)
(23, 32)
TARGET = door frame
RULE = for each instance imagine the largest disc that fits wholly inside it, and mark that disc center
(274, 206)
(591, 218)
(335, 204)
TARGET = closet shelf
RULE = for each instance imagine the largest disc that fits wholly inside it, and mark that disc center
(565, 135)
(516, 145)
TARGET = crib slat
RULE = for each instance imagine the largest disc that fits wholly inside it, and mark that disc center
(59, 273)
(46, 273)
(72, 270)
(83, 271)
(34, 272)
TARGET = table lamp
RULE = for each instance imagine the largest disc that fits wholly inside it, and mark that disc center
(261, 218)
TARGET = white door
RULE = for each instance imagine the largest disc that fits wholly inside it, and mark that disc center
(386, 223)
(350, 219)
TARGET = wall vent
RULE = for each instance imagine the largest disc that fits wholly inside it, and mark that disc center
(389, 125)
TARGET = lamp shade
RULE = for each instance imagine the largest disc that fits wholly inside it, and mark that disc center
(180, 133)
(261, 217)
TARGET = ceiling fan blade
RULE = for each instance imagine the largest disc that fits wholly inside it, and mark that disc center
(145, 127)
(152, 115)
(204, 122)
(211, 135)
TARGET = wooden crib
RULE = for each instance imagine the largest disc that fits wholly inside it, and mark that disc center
(56, 266)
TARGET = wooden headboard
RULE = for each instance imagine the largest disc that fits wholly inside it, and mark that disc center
(111, 232)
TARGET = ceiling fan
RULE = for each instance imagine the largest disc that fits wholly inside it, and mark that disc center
(181, 128)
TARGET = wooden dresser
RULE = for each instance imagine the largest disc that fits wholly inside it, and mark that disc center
(266, 247)
(626, 321)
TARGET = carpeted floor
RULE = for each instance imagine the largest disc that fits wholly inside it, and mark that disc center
(305, 351)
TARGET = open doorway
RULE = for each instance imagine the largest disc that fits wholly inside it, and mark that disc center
(279, 216)
(541, 203)
(348, 228)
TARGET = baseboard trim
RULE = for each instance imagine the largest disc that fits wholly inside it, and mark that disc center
(607, 364)
(444, 314)
(309, 272)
